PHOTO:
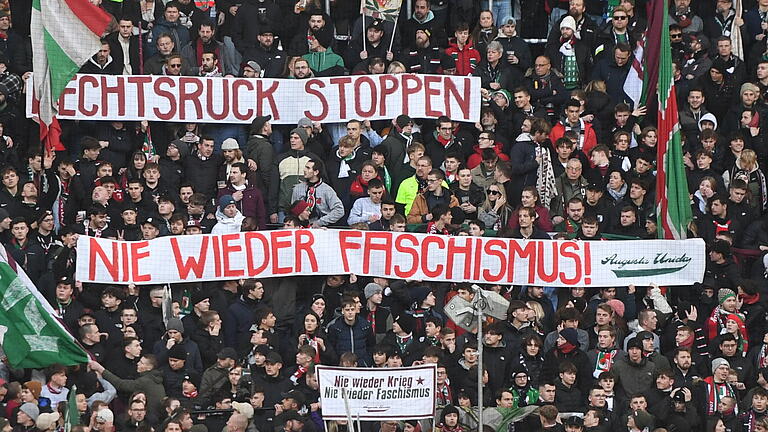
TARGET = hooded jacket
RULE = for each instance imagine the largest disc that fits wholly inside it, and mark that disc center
(467, 57)
(149, 383)
(226, 224)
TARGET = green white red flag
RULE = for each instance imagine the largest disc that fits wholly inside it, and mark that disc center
(65, 34)
(673, 204)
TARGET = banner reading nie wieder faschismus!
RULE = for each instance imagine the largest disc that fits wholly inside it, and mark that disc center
(263, 254)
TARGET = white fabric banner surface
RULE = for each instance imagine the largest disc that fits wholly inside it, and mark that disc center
(377, 394)
(262, 254)
(239, 100)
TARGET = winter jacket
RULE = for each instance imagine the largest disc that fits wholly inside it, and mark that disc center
(467, 58)
(251, 17)
(328, 207)
(227, 225)
(590, 137)
(325, 63)
(634, 377)
(287, 172)
(229, 58)
(238, 319)
(214, 379)
(614, 76)
(272, 60)
(201, 173)
(149, 383)
(178, 32)
(437, 150)
(260, 150)
(519, 46)
(357, 338)
(503, 74)
(251, 205)
(194, 362)
(425, 201)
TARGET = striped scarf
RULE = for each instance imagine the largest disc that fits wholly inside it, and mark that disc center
(570, 65)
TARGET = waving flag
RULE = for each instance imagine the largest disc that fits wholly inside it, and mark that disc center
(633, 83)
(65, 34)
(673, 205)
(387, 10)
(30, 334)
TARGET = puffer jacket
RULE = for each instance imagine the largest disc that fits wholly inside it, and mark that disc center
(357, 338)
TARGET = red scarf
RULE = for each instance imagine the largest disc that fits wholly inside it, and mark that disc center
(199, 50)
(444, 141)
(750, 298)
(566, 348)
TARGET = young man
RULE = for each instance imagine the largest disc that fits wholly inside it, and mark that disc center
(368, 209)
(352, 333)
(325, 206)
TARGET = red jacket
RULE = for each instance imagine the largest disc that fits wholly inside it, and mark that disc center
(590, 137)
(476, 158)
(466, 59)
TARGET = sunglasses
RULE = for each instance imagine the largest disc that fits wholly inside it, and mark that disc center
(175, 65)
(676, 36)
(620, 17)
(493, 192)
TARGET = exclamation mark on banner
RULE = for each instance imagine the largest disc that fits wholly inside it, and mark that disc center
(587, 264)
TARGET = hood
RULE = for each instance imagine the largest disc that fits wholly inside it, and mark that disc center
(155, 375)
(223, 219)
(523, 137)
(710, 117)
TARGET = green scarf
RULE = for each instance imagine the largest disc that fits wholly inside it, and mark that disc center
(570, 70)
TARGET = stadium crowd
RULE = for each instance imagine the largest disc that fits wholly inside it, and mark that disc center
(560, 151)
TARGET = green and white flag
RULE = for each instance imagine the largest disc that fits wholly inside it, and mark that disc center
(30, 334)
(72, 418)
(65, 34)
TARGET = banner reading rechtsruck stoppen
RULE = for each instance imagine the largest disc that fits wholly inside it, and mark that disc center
(262, 254)
(239, 100)
(376, 394)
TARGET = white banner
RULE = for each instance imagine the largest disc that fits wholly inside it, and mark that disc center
(377, 394)
(239, 100)
(262, 254)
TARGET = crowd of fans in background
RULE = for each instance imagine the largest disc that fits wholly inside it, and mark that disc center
(560, 151)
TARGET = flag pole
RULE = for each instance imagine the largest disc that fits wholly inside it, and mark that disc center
(394, 29)
(364, 35)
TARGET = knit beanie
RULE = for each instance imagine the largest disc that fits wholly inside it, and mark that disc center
(617, 306)
(716, 363)
(570, 335)
(175, 324)
(371, 289)
(568, 22)
(302, 133)
(723, 294)
(419, 294)
(406, 322)
(31, 410)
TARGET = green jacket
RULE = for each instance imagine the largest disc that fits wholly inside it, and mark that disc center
(149, 382)
(325, 63)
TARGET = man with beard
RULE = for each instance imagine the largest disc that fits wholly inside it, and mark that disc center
(301, 69)
(194, 52)
(102, 62)
(424, 57)
(266, 54)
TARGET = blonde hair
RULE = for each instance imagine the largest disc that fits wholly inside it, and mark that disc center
(749, 157)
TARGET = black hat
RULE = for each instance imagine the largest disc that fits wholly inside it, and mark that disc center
(152, 221)
(199, 295)
(297, 396)
(262, 349)
(679, 396)
(177, 352)
(643, 335)
(265, 28)
(294, 415)
(376, 24)
(192, 377)
(595, 187)
(227, 353)
(403, 120)
(274, 357)
(406, 322)
(259, 123)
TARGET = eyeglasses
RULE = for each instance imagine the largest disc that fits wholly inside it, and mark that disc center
(620, 17)
(493, 192)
